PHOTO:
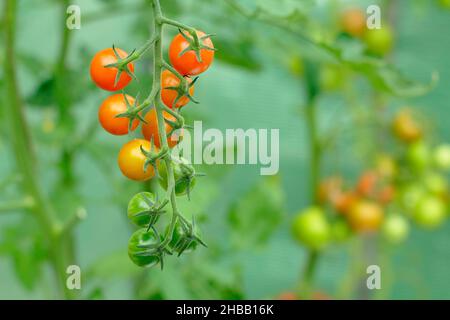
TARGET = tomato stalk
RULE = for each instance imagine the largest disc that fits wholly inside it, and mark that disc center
(23, 151)
(312, 91)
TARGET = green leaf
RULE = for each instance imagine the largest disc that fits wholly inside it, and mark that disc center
(254, 218)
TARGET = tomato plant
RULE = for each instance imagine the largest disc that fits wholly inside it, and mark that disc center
(110, 78)
(111, 108)
(189, 55)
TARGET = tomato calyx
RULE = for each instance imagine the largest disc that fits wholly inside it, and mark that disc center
(122, 64)
(152, 158)
(188, 175)
(131, 113)
(182, 90)
(154, 211)
(157, 249)
(195, 43)
(188, 237)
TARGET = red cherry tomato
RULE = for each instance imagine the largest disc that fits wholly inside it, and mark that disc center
(168, 96)
(187, 63)
(110, 108)
(105, 77)
(150, 129)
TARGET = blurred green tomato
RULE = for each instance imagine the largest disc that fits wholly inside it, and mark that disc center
(441, 156)
(436, 183)
(331, 77)
(340, 230)
(141, 256)
(411, 195)
(418, 155)
(311, 228)
(296, 65)
(139, 209)
(395, 228)
(379, 41)
(430, 212)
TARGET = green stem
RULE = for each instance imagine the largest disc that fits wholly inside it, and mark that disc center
(312, 91)
(157, 66)
(22, 148)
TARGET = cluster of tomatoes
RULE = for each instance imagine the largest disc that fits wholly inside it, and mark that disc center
(408, 185)
(377, 41)
(112, 69)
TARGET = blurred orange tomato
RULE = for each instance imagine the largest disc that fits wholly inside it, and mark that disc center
(365, 216)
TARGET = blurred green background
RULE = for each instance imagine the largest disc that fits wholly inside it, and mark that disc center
(245, 218)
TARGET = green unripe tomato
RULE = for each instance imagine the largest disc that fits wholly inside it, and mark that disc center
(379, 41)
(436, 183)
(331, 77)
(311, 228)
(184, 179)
(430, 212)
(411, 195)
(178, 235)
(138, 208)
(140, 256)
(418, 155)
(395, 228)
(340, 230)
(441, 156)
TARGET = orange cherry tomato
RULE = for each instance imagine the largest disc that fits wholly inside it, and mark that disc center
(150, 129)
(367, 183)
(354, 22)
(344, 201)
(187, 63)
(168, 96)
(131, 160)
(365, 216)
(330, 188)
(110, 108)
(105, 77)
(406, 127)
(386, 194)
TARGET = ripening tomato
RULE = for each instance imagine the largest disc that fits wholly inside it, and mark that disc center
(406, 128)
(344, 201)
(110, 108)
(311, 228)
(131, 160)
(105, 77)
(395, 228)
(168, 96)
(379, 41)
(187, 63)
(367, 183)
(354, 22)
(330, 188)
(150, 129)
(430, 212)
(137, 251)
(365, 216)
(410, 196)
